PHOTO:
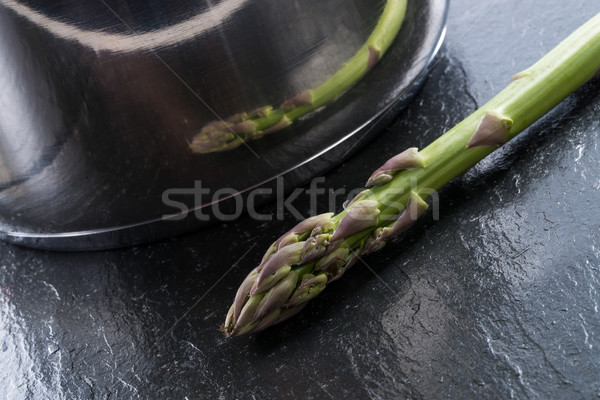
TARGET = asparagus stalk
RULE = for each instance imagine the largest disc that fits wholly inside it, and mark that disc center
(300, 264)
(228, 134)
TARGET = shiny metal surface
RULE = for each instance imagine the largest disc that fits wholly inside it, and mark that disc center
(99, 101)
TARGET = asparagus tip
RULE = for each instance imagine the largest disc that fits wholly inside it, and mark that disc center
(276, 296)
(241, 296)
(289, 255)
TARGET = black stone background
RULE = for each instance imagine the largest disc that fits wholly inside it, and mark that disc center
(497, 299)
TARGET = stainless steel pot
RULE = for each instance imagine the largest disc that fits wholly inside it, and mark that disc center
(99, 101)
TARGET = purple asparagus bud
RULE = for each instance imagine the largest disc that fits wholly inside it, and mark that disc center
(276, 296)
(352, 259)
(334, 262)
(374, 56)
(408, 159)
(287, 256)
(349, 203)
(363, 215)
(291, 236)
(245, 320)
(377, 240)
(493, 130)
(317, 246)
(415, 207)
(310, 287)
(303, 99)
(243, 293)
(272, 279)
(308, 225)
(286, 241)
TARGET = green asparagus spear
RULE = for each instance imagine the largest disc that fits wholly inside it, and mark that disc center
(228, 134)
(300, 264)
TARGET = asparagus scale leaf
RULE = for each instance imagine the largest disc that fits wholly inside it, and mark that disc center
(300, 264)
(232, 132)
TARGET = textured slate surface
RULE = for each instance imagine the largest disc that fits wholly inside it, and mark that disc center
(497, 299)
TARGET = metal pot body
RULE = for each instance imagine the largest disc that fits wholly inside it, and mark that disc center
(100, 100)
